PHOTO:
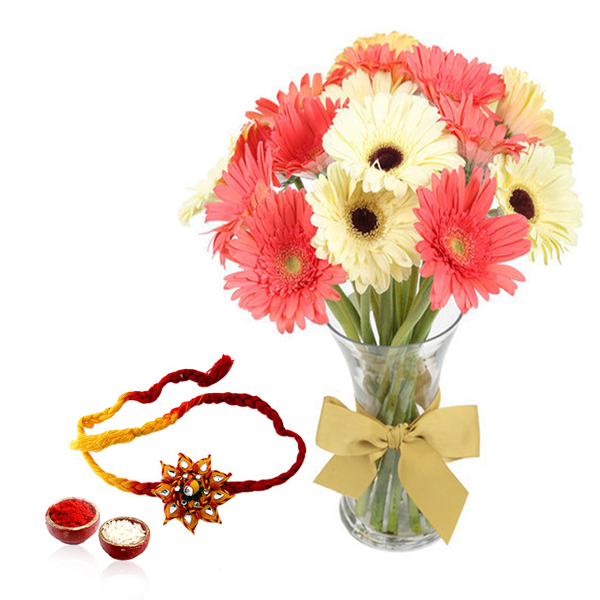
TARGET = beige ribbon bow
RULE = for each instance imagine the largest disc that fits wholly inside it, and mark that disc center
(437, 436)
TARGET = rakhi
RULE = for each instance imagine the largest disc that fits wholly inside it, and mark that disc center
(191, 491)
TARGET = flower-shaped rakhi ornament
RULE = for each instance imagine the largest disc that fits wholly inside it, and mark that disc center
(192, 491)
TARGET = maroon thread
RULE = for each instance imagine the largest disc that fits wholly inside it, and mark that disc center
(215, 374)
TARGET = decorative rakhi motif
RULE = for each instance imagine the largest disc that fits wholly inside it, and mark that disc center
(192, 491)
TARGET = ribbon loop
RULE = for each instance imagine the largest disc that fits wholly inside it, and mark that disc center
(439, 435)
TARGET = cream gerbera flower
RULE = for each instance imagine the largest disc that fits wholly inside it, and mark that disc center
(396, 41)
(359, 85)
(522, 111)
(371, 235)
(392, 142)
(521, 107)
(563, 150)
(204, 193)
(540, 189)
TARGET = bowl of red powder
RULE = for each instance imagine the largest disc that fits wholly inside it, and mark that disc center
(72, 520)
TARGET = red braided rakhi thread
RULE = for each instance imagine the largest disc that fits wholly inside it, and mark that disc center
(190, 491)
(237, 487)
(214, 374)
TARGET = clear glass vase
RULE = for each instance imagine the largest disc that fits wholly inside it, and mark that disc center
(394, 384)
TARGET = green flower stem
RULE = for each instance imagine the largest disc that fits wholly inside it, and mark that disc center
(362, 505)
(392, 384)
(413, 283)
(417, 310)
(397, 405)
(406, 395)
(391, 405)
(383, 390)
(395, 317)
(388, 389)
(395, 501)
(404, 413)
(398, 305)
(469, 169)
(423, 327)
(375, 301)
(349, 309)
(381, 483)
(365, 318)
(415, 516)
(387, 316)
(406, 301)
(339, 312)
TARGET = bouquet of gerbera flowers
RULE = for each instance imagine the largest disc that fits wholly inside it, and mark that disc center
(406, 177)
(410, 172)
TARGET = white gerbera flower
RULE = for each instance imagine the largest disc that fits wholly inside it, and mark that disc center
(371, 235)
(204, 193)
(522, 111)
(539, 188)
(522, 106)
(359, 85)
(563, 151)
(393, 142)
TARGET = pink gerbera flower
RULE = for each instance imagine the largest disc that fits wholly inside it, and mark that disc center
(372, 58)
(281, 275)
(297, 138)
(446, 73)
(246, 182)
(251, 135)
(480, 135)
(267, 110)
(463, 249)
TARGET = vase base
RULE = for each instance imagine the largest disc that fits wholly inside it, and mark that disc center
(382, 541)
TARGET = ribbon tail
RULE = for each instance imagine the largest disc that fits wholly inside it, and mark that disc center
(438, 494)
(348, 475)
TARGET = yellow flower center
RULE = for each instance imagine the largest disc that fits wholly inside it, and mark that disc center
(459, 245)
(292, 265)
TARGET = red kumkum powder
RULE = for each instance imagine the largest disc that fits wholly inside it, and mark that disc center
(72, 513)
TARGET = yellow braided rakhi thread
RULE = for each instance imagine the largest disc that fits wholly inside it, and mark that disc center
(95, 443)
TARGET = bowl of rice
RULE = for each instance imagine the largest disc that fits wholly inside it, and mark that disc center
(124, 538)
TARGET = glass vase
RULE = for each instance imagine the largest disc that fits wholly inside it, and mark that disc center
(394, 384)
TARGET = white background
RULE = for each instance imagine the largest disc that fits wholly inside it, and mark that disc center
(110, 111)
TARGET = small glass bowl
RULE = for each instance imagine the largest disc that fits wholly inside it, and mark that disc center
(73, 535)
(122, 551)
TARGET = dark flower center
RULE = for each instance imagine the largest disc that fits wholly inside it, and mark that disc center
(364, 220)
(522, 203)
(386, 158)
